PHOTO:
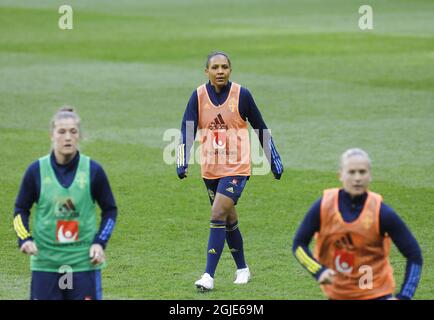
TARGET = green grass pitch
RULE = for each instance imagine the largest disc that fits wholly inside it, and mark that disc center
(129, 67)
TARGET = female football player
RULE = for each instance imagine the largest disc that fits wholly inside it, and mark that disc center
(66, 249)
(353, 228)
(220, 110)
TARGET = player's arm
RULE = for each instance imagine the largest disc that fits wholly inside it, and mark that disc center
(300, 247)
(103, 195)
(392, 224)
(249, 110)
(188, 134)
(27, 196)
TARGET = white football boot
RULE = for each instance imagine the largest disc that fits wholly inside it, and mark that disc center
(205, 283)
(242, 276)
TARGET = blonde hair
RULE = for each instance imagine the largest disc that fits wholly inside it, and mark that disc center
(65, 112)
(352, 153)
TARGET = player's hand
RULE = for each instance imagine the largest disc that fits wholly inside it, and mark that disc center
(182, 172)
(96, 254)
(181, 162)
(327, 276)
(276, 167)
(29, 248)
(276, 162)
(277, 173)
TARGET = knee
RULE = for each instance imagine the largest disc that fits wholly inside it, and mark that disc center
(232, 219)
(219, 213)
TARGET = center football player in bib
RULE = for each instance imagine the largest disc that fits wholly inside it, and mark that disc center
(219, 111)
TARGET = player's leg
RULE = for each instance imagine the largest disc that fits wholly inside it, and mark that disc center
(235, 239)
(216, 241)
(233, 233)
(211, 187)
(45, 286)
(206, 282)
(229, 190)
(225, 195)
(86, 286)
(232, 217)
(221, 208)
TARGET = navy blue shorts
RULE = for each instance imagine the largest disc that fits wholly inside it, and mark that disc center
(57, 286)
(231, 187)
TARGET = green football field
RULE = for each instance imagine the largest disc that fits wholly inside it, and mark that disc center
(129, 67)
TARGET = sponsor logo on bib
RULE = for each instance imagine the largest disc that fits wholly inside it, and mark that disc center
(67, 231)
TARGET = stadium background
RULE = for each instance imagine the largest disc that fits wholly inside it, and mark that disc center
(129, 67)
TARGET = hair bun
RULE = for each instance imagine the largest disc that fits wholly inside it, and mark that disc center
(66, 109)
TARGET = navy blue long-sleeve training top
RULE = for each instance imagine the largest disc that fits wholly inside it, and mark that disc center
(248, 111)
(390, 223)
(99, 186)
